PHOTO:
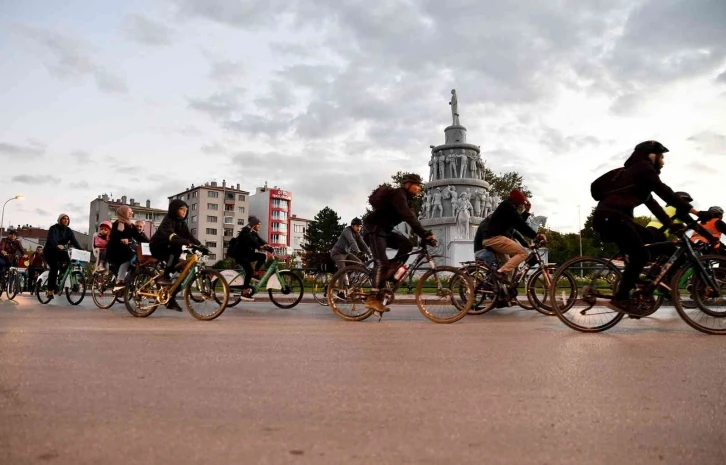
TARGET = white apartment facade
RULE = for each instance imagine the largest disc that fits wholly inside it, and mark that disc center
(298, 226)
(104, 208)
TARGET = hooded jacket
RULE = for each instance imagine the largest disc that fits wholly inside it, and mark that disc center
(635, 185)
(503, 222)
(60, 235)
(116, 251)
(173, 231)
(248, 241)
(396, 209)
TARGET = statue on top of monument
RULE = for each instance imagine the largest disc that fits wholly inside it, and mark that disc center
(454, 107)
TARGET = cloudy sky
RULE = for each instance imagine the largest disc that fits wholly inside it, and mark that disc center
(327, 98)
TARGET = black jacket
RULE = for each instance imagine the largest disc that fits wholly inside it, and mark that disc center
(635, 185)
(248, 241)
(173, 231)
(396, 209)
(118, 252)
(60, 235)
(505, 220)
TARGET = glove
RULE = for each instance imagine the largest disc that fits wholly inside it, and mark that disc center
(704, 215)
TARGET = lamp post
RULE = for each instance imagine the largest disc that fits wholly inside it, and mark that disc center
(579, 225)
(2, 218)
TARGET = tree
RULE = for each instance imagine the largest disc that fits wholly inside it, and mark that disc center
(503, 184)
(320, 236)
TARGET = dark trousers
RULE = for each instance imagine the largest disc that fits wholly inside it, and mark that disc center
(55, 258)
(169, 255)
(251, 263)
(378, 240)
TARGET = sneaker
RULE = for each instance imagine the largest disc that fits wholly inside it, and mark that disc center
(173, 305)
(246, 296)
(118, 287)
(503, 278)
(625, 306)
(341, 295)
(49, 295)
(373, 303)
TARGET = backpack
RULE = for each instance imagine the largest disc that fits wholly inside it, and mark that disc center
(604, 184)
(379, 195)
(232, 248)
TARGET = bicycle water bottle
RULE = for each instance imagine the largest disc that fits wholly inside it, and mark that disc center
(400, 273)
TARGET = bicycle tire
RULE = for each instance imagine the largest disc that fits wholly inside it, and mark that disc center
(698, 297)
(141, 278)
(77, 279)
(100, 277)
(232, 301)
(320, 286)
(354, 294)
(41, 287)
(540, 305)
(482, 289)
(462, 308)
(561, 309)
(212, 279)
(11, 290)
(294, 280)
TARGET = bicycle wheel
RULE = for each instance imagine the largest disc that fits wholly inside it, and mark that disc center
(13, 284)
(709, 314)
(597, 279)
(141, 293)
(538, 291)
(76, 290)
(102, 289)
(206, 295)
(348, 302)
(484, 289)
(320, 285)
(444, 294)
(291, 293)
(41, 288)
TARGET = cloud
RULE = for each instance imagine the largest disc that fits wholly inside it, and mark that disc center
(247, 14)
(42, 212)
(34, 150)
(69, 58)
(146, 31)
(721, 77)
(213, 148)
(79, 185)
(81, 156)
(220, 105)
(28, 179)
(710, 142)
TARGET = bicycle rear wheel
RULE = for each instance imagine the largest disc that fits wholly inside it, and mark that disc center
(291, 292)
(206, 296)
(538, 291)
(597, 279)
(709, 314)
(102, 289)
(348, 302)
(484, 289)
(320, 284)
(444, 294)
(141, 293)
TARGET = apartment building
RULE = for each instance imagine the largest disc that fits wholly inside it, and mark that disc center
(104, 208)
(272, 206)
(216, 214)
(298, 226)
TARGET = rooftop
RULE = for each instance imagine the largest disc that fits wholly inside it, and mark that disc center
(213, 185)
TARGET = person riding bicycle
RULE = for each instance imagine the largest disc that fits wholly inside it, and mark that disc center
(37, 265)
(502, 224)
(715, 226)
(167, 242)
(59, 237)
(10, 249)
(350, 246)
(391, 206)
(100, 242)
(118, 251)
(625, 189)
(246, 254)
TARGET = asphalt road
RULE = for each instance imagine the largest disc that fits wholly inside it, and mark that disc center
(262, 385)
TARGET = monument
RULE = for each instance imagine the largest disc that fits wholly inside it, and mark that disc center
(457, 197)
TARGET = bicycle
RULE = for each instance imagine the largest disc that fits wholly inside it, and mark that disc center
(450, 286)
(321, 280)
(10, 281)
(700, 278)
(143, 293)
(71, 277)
(491, 292)
(278, 283)
(104, 281)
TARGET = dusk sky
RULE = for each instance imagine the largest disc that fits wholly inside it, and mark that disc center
(328, 98)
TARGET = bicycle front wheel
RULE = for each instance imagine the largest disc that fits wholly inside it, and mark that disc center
(538, 290)
(444, 294)
(348, 301)
(102, 289)
(320, 285)
(597, 280)
(709, 313)
(13, 284)
(76, 290)
(291, 291)
(206, 296)
(41, 289)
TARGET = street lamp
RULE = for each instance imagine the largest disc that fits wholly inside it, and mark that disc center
(579, 225)
(2, 218)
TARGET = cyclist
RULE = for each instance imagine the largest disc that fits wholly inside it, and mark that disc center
(37, 265)
(60, 236)
(350, 246)
(613, 218)
(715, 226)
(100, 242)
(118, 252)
(140, 228)
(167, 242)
(246, 254)
(391, 206)
(10, 249)
(502, 224)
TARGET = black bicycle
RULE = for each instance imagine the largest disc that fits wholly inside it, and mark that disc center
(446, 285)
(695, 287)
(10, 280)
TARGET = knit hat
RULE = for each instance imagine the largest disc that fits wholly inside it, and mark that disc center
(254, 221)
(517, 197)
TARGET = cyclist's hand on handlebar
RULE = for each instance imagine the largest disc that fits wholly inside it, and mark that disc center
(704, 215)
(61, 246)
(540, 238)
(678, 229)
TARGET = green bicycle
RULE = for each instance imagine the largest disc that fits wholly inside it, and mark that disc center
(71, 277)
(284, 287)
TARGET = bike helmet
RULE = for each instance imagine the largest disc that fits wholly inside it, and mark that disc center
(412, 178)
(718, 211)
(650, 146)
(685, 196)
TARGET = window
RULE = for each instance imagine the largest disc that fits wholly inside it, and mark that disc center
(240, 209)
(194, 206)
(211, 244)
(212, 206)
(241, 222)
(188, 195)
(212, 256)
(225, 244)
(194, 232)
(194, 219)
(241, 198)
(149, 216)
(229, 196)
(212, 231)
(282, 227)
(211, 219)
(213, 194)
(195, 194)
(278, 215)
(298, 228)
(228, 232)
(229, 208)
(229, 220)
